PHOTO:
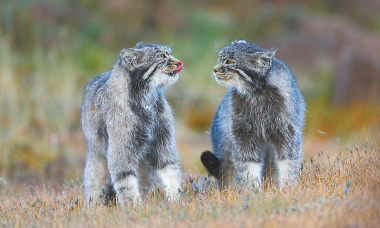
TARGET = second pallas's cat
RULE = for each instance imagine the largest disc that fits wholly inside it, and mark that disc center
(257, 129)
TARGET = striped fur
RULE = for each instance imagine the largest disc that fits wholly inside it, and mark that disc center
(258, 126)
(129, 127)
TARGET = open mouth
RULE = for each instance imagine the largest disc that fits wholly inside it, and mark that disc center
(222, 76)
(177, 69)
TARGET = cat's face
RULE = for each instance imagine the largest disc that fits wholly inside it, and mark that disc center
(242, 65)
(151, 64)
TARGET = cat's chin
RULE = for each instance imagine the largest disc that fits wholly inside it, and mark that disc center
(231, 84)
(173, 74)
(224, 81)
(165, 79)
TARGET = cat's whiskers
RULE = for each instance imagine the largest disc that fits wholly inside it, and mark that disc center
(211, 78)
(217, 48)
(183, 72)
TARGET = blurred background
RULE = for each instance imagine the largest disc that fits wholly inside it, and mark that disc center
(50, 49)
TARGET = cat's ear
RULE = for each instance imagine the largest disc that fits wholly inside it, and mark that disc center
(130, 56)
(139, 44)
(261, 61)
(238, 41)
(128, 53)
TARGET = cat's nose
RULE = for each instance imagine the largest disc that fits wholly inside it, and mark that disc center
(215, 69)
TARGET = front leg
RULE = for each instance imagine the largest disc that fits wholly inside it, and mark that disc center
(287, 172)
(288, 146)
(248, 172)
(248, 162)
(123, 157)
(170, 179)
(248, 142)
(163, 158)
(123, 170)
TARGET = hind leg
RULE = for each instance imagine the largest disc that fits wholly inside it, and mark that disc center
(95, 178)
(110, 193)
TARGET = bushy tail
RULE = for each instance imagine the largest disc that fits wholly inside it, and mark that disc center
(211, 163)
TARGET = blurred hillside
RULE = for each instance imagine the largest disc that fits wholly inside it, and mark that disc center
(49, 50)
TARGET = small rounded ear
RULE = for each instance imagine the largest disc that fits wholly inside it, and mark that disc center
(130, 56)
(261, 61)
(139, 44)
(125, 52)
(238, 41)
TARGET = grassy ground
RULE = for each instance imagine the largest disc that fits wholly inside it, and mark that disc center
(49, 50)
(337, 188)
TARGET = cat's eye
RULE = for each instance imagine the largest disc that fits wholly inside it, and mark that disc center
(229, 62)
(162, 56)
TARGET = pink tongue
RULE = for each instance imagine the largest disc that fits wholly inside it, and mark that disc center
(179, 68)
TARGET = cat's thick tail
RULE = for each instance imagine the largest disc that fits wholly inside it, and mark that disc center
(211, 163)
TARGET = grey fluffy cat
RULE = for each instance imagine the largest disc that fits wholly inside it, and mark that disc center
(129, 128)
(257, 129)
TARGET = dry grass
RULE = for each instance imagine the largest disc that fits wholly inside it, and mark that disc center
(47, 59)
(336, 189)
